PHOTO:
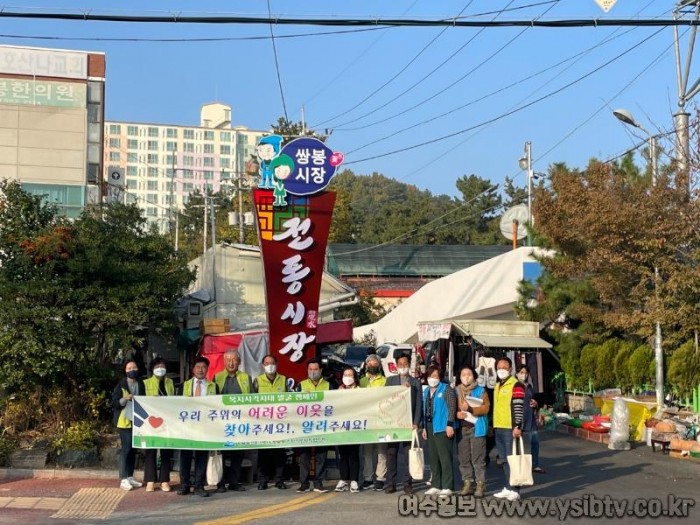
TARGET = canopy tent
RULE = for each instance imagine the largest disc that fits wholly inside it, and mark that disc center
(488, 290)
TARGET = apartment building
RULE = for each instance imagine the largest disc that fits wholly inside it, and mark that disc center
(51, 122)
(161, 164)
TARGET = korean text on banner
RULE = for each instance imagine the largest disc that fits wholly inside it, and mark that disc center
(283, 420)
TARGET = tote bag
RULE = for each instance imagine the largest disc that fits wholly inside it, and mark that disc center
(520, 466)
(215, 468)
(416, 462)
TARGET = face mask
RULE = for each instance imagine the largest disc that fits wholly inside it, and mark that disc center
(522, 378)
(466, 381)
(315, 376)
(502, 373)
(132, 374)
(270, 369)
(348, 381)
(373, 370)
(432, 382)
(403, 371)
(159, 372)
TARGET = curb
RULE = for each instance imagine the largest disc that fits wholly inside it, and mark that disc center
(26, 473)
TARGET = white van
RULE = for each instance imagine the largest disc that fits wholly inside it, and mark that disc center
(390, 352)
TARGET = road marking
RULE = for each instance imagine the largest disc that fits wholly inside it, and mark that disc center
(32, 503)
(271, 510)
(91, 503)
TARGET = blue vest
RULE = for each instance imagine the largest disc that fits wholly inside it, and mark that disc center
(439, 415)
(481, 427)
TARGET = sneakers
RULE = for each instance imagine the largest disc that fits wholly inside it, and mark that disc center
(341, 486)
(134, 483)
(432, 491)
(150, 486)
(318, 487)
(125, 485)
(305, 487)
(503, 493)
(165, 487)
(513, 496)
(445, 492)
(354, 487)
(378, 485)
(366, 485)
(280, 485)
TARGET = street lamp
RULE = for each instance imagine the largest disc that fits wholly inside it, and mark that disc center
(626, 117)
(525, 163)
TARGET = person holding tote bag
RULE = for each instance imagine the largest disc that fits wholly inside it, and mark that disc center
(439, 408)
(472, 416)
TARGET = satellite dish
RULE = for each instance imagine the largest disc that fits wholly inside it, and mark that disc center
(518, 214)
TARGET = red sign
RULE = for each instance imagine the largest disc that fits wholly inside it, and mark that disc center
(293, 242)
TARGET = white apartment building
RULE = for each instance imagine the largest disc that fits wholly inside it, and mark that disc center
(163, 163)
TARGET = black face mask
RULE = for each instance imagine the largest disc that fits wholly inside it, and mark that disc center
(132, 374)
(372, 369)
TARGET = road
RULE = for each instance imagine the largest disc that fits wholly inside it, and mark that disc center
(575, 469)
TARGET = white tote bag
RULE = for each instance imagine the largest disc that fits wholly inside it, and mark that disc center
(520, 466)
(215, 468)
(416, 461)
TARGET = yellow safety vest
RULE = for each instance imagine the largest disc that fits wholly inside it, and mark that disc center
(152, 386)
(242, 377)
(307, 386)
(379, 380)
(279, 384)
(502, 397)
(188, 388)
(123, 421)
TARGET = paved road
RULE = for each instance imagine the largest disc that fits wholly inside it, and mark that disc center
(575, 468)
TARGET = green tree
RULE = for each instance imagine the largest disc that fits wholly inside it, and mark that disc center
(366, 311)
(684, 369)
(641, 367)
(290, 130)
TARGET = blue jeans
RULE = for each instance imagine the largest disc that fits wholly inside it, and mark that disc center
(127, 454)
(533, 438)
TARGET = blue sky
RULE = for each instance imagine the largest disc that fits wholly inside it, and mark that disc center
(332, 75)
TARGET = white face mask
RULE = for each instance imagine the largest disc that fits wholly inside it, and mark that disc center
(403, 371)
(502, 373)
(159, 372)
(270, 369)
(348, 380)
(522, 378)
(432, 382)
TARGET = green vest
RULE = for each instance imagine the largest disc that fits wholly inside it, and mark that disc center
(123, 421)
(377, 381)
(188, 388)
(152, 386)
(242, 377)
(265, 387)
(307, 386)
(502, 397)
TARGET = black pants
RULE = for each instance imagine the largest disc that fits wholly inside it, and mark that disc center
(127, 454)
(232, 467)
(200, 468)
(305, 464)
(392, 453)
(271, 464)
(349, 462)
(150, 467)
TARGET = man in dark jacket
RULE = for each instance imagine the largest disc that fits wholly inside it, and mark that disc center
(403, 378)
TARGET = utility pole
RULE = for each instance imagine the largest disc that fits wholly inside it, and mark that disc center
(526, 164)
(204, 227)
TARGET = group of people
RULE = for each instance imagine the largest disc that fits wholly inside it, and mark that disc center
(441, 414)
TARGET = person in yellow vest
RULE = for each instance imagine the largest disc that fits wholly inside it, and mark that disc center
(314, 383)
(158, 385)
(508, 399)
(232, 381)
(271, 459)
(373, 451)
(198, 386)
(123, 408)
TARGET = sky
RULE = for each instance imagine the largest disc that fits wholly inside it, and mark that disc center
(474, 95)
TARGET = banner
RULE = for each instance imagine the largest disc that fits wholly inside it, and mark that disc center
(283, 420)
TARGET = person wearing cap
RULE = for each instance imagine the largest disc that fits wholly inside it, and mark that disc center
(158, 385)
(230, 381)
(404, 378)
(373, 378)
(267, 148)
(198, 386)
(271, 459)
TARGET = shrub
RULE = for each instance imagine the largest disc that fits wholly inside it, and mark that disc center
(604, 366)
(80, 435)
(621, 368)
(641, 366)
(684, 369)
(589, 361)
(7, 447)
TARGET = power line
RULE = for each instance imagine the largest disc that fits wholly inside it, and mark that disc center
(277, 64)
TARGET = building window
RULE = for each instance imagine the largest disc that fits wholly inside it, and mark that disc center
(115, 129)
(225, 149)
(171, 133)
(208, 161)
(208, 175)
(152, 185)
(187, 160)
(168, 187)
(225, 136)
(131, 184)
(170, 160)
(115, 143)
(114, 156)
(224, 163)
(151, 212)
(131, 171)
(208, 135)
(132, 144)
(152, 172)
(209, 148)
(188, 147)
(171, 146)
(153, 145)
(132, 131)
(132, 157)
(188, 134)
(152, 158)
(152, 132)
(187, 174)
(188, 188)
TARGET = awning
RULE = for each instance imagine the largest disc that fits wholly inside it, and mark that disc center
(511, 341)
(334, 332)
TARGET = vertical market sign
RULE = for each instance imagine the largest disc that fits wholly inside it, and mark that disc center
(294, 214)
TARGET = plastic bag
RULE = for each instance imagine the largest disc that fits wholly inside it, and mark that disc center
(620, 426)
(215, 468)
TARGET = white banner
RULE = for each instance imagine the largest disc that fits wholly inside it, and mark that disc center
(280, 420)
(434, 331)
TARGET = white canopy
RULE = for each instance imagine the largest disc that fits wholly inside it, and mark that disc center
(488, 290)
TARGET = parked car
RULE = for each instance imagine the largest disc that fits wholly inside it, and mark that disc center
(347, 355)
(390, 352)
